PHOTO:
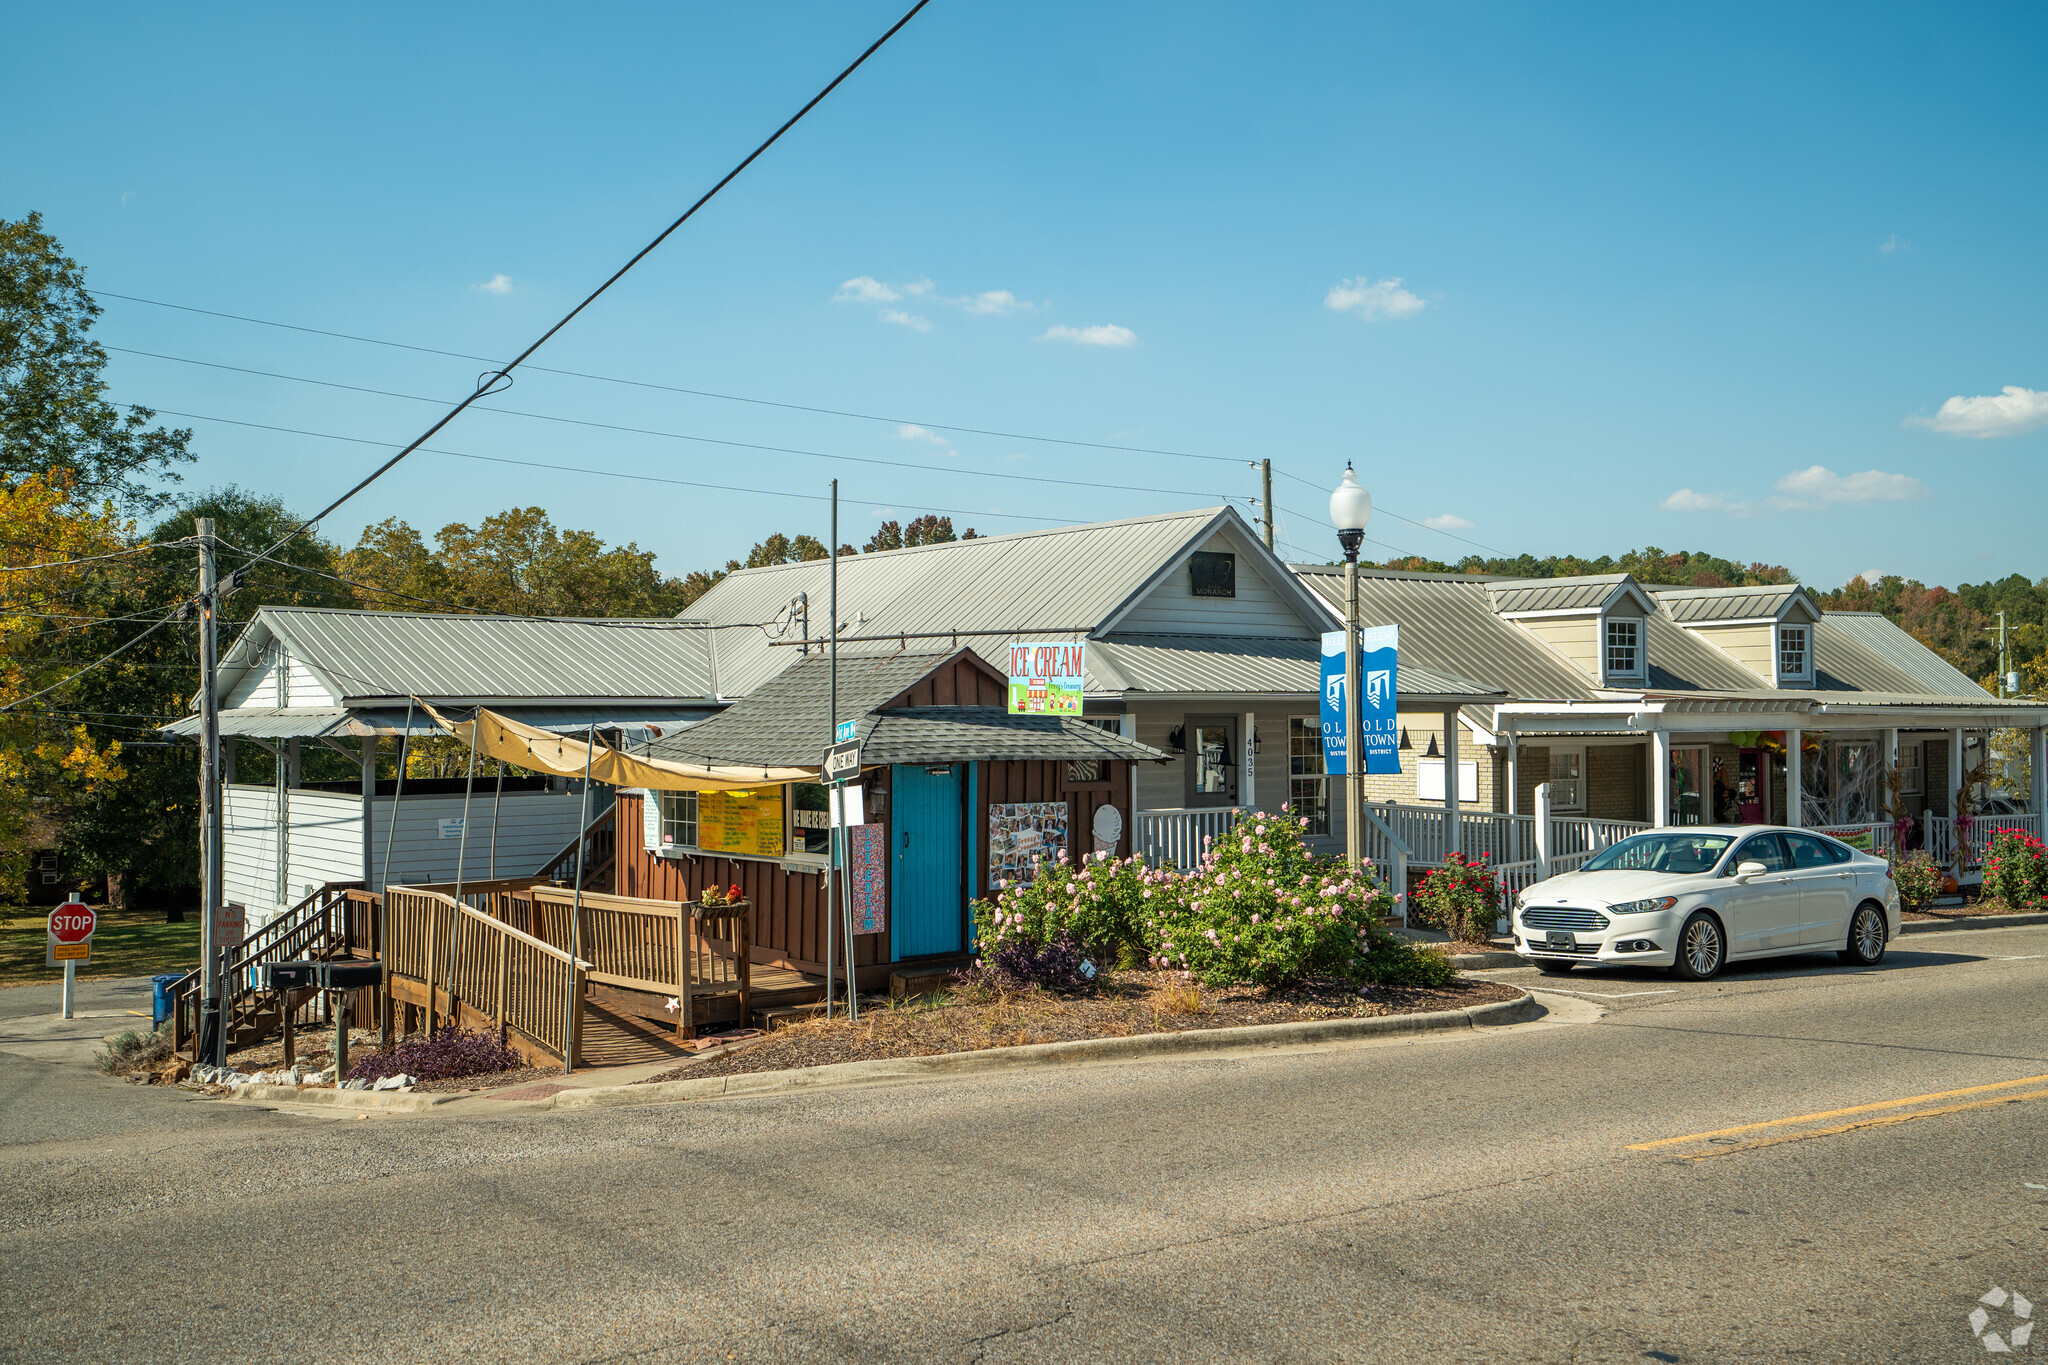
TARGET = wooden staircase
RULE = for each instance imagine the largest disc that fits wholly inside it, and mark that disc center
(600, 845)
(338, 920)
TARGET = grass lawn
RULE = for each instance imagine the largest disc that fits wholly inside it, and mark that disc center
(127, 943)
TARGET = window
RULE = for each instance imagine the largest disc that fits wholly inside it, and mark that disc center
(810, 818)
(1909, 770)
(1308, 790)
(1567, 778)
(1765, 849)
(1810, 851)
(1793, 659)
(679, 819)
(1212, 574)
(1083, 772)
(1688, 787)
(47, 861)
(1625, 648)
(1661, 852)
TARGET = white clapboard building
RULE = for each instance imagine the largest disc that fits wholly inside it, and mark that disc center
(316, 702)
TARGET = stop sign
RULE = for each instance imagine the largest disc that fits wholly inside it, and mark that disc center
(72, 922)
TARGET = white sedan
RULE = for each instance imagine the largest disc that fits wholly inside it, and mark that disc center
(1697, 897)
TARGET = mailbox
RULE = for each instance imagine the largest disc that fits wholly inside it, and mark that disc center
(280, 976)
(348, 975)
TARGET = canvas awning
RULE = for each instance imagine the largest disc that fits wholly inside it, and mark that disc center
(526, 746)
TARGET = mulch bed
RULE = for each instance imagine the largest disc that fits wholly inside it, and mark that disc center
(1128, 1003)
(1971, 910)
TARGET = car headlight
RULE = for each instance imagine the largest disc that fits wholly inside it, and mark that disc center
(1643, 907)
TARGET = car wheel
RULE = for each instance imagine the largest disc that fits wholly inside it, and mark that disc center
(1866, 937)
(1701, 948)
(1555, 968)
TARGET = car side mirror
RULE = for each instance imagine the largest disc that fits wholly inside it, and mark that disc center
(1745, 870)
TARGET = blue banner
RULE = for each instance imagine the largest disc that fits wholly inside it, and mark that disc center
(1378, 721)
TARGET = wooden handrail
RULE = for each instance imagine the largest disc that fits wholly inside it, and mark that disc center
(562, 867)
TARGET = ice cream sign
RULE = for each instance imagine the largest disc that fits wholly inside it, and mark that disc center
(1045, 679)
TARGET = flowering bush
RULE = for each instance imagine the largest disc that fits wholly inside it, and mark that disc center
(1099, 907)
(2016, 870)
(1918, 878)
(1263, 910)
(1019, 965)
(436, 1056)
(1462, 898)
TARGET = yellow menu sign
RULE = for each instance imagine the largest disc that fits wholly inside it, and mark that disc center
(747, 822)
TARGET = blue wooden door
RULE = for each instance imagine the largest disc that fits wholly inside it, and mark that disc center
(926, 897)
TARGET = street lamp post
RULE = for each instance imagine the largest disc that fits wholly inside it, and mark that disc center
(1350, 510)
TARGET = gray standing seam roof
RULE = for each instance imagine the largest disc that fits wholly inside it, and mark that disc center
(1696, 606)
(1238, 664)
(377, 654)
(1867, 652)
(1585, 593)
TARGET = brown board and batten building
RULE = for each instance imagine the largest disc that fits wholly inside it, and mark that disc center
(960, 791)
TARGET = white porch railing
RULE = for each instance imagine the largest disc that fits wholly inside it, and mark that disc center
(1874, 836)
(1938, 834)
(1179, 836)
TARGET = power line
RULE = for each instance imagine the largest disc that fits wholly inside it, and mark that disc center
(102, 661)
(602, 473)
(95, 559)
(489, 384)
(675, 435)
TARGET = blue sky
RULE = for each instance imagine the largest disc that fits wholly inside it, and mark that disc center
(1766, 281)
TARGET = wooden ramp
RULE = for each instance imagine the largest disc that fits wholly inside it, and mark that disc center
(614, 1039)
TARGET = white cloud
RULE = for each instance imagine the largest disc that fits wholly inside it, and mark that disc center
(1686, 500)
(1383, 299)
(1891, 246)
(1447, 522)
(911, 431)
(1820, 484)
(1100, 334)
(992, 301)
(496, 284)
(1871, 576)
(903, 319)
(918, 289)
(865, 289)
(2007, 413)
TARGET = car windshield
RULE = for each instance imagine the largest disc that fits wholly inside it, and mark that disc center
(1661, 851)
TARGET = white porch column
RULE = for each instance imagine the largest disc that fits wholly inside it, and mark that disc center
(1514, 773)
(1247, 790)
(1795, 798)
(1955, 771)
(2037, 795)
(1543, 842)
(1660, 778)
(1451, 726)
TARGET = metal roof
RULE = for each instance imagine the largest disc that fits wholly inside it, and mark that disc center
(1067, 582)
(1236, 664)
(315, 722)
(378, 655)
(788, 722)
(1589, 592)
(1695, 606)
(1869, 653)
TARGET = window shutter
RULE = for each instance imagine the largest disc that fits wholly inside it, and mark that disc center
(650, 819)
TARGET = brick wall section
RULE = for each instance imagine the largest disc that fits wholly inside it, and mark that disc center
(1617, 780)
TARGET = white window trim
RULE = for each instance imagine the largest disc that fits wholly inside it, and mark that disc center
(1641, 669)
(1289, 776)
(1778, 651)
(1580, 750)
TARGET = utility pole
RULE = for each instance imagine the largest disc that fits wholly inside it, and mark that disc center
(1266, 498)
(2005, 687)
(209, 793)
(836, 874)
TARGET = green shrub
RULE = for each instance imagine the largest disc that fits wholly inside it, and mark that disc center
(1462, 898)
(1263, 910)
(2016, 870)
(1100, 907)
(1917, 876)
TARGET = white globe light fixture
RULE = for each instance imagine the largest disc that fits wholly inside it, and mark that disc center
(1350, 510)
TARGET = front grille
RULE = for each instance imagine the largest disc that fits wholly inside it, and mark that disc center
(1564, 917)
(1560, 950)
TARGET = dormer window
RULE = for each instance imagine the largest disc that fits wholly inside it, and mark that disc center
(1795, 661)
(1625, 648)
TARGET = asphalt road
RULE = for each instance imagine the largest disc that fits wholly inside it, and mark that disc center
(1464, 1198)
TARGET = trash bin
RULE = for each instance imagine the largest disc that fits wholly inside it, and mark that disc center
(160, 995)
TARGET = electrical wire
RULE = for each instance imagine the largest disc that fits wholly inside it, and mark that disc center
(488, 385)
(603, 473)
(103, 660)
(95, 559)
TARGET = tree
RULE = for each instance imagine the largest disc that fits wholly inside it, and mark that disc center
(516, 562)
(924, 530)
(54, 413)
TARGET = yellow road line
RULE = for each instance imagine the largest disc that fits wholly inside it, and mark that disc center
(1865, 1123)
(1836, 1113)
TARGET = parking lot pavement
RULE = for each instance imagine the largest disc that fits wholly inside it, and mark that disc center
(124, 993)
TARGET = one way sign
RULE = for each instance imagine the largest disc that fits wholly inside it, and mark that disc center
(842, 762)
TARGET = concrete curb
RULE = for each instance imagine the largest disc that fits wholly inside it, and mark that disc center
(1936, 926)
(394, 1100)
(1477, 962)
(1250, 1038)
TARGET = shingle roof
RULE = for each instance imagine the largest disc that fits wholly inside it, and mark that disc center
(1586, 593)
(1236, 664)
(1692, 606)
(373, 655)
(787, 722)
